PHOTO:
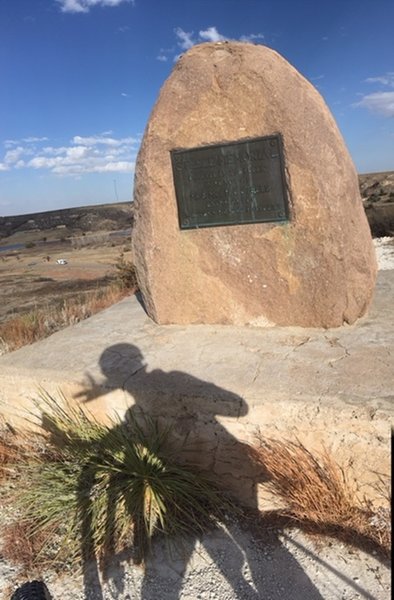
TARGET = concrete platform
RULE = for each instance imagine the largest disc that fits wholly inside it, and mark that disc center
(218, 384)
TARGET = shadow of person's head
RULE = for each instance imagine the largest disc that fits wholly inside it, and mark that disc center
(121, 361)
(124, 367)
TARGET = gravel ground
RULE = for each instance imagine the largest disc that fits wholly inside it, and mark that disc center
(232, 564)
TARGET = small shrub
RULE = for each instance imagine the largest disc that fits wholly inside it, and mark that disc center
(97, 487)
(30, 245)
(125, 273)
(316, 495)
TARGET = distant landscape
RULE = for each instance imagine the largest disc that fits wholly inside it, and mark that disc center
(91, 239)
(377, 192)
(65, 223)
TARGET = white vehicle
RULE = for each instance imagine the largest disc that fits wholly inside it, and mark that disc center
(61, 261)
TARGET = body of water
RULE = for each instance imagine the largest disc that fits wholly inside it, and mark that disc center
(11, 247)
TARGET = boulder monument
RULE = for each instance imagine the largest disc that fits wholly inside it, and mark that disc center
(247, 206)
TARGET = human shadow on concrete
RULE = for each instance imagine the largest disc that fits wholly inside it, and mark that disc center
(193, 408)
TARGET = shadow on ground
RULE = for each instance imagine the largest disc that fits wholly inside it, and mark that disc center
(226, 559)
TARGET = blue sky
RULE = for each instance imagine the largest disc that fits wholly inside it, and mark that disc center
(80, 77)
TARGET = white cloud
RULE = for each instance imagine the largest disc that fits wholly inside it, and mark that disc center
(380, 102)
(72, 6)
(105, 167)
(164, 53)
(12, 156)
(76, 152)
(108, 141)
(185, 39)
(102, 153)
(32, 140)
(53, 151)
(387, 79)
(83, 6)
(42, 162)
(252, 37)
(121, 166)
(211, 35)
(27, 140)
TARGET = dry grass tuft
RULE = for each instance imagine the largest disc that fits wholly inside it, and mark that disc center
(23, 546)
(317, 496)
(40, 323)
(125, 273)
(13, 448)
(7, 455)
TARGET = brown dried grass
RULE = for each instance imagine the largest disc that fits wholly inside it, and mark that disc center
(21, 543)
(40, 323)
(22, 330)
(316, 495)
(12, 448)
(23, 546)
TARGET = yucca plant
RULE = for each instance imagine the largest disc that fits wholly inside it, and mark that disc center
(100, 488)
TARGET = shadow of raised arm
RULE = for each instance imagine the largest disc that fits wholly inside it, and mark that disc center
(92, 390)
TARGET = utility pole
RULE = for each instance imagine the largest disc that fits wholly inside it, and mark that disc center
(116, 191)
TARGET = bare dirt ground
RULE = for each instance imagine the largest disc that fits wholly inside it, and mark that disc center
(29, 280)
(230, 563)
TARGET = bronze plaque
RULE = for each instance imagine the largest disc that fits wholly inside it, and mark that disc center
(231, 184)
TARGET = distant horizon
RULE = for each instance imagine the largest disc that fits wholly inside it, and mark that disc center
(81, 77)
(39, 212)
(92, 205)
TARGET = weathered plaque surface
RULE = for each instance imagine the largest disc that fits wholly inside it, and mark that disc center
(230, 184)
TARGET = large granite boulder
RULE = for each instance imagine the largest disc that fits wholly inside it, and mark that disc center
(317, 269)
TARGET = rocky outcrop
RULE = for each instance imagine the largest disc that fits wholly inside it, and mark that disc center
(377, 190)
